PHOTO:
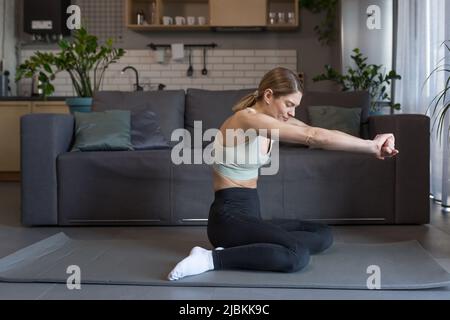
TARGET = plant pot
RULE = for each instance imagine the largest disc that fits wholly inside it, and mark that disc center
(375, 112)
(79, 104)
(378, 109)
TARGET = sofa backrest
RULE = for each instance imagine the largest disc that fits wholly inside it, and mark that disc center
(169, 105)
(211, 107)
(177, 109)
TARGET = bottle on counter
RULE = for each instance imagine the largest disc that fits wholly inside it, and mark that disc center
(35, 86)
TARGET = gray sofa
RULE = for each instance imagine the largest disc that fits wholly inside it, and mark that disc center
(146, 188)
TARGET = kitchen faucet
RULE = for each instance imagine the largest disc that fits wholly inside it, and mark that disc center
(138, 87)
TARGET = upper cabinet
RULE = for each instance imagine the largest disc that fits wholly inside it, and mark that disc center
(238, 13)
(211, 14)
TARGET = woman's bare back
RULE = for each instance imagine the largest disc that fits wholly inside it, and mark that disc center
(222, 182)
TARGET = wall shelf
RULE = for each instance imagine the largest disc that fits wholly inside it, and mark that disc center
(233, 15)
(166, 28)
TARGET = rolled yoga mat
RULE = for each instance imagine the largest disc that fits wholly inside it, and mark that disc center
(399, 265)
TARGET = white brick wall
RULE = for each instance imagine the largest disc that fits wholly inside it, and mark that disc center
(227, 70)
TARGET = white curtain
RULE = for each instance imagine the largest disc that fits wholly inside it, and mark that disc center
(422, 27)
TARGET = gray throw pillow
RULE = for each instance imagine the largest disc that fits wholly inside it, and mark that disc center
(146, 132)
(102, 131)
(347, 120)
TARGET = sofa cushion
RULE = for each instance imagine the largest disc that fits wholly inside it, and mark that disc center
(102, 131)
(168, 105)
(211, 107)
(347, 120)
(337, 187)
(146, 132)
(352, 99)
(126, 187)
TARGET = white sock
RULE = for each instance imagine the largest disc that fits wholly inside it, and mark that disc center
(199, 260)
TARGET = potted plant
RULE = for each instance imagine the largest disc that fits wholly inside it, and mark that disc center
(440, 101)
(84, 60)
(366, 77)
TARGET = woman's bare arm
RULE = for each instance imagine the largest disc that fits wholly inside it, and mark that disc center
(296, 122)
(299, 123)
(338, 140)
(312, 136)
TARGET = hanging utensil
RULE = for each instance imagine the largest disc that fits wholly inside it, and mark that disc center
(204, 70)
(190, 70)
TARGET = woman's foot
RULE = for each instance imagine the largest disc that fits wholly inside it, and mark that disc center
(199, 260)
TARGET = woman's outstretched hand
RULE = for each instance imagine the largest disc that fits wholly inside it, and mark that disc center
(385, 146)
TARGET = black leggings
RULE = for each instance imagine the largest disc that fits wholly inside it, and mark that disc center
(252, 243)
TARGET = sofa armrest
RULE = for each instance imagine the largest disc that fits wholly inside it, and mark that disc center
(43, 138)
(412, 164)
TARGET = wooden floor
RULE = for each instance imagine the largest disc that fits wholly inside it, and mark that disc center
(435, 238)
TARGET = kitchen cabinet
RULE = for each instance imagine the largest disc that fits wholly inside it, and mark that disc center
(231, 13)
(10, 114)
(217, 14)
(49, 107)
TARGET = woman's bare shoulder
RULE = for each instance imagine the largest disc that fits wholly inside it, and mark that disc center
(237, 119)
(250, 118)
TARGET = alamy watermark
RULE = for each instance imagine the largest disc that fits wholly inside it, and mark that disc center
(74, 21)
(74, 280)
(374, 280)
(374, 17)
(242, 154)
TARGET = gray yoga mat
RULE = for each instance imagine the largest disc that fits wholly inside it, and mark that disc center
(402, 265)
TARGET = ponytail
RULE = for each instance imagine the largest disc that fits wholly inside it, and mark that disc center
(246, 102)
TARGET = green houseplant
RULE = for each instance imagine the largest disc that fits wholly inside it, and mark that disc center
(366, 77)
(440, 103)
(83, 58)
(326, 30)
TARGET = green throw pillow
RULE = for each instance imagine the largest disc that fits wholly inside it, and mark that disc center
(347, 120)
(102, 131)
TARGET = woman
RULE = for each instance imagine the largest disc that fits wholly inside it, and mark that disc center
(241, 238)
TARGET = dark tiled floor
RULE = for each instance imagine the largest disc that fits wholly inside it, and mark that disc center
(434, 237)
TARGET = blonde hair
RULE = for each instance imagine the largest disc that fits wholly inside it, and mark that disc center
(280, 80)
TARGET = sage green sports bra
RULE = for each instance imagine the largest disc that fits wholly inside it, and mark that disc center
(240, 162)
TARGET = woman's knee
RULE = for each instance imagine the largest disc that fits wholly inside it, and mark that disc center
(214, 235)
(325, 234)
(327, 238)
(298, 259)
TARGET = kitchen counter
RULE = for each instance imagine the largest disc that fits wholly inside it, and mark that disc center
(23, 98)
(12, 109)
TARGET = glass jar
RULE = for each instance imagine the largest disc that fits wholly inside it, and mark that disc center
(281, 17)
(272, 18)
(291, 17)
